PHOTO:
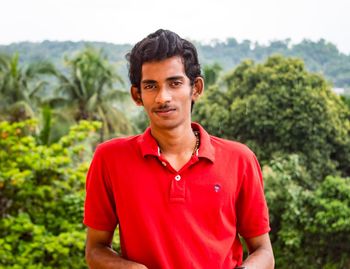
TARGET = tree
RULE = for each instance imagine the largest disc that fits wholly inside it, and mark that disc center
(278, 106)
(88, 92)
(42, 195)
(211, 73)
(308, 226)
(346, 99)
(20, 87)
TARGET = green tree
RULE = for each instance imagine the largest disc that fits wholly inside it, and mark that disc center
(346, 99)
(20, 87)
(278, 106)
(42, 196)
(211, 73)
(89, 92)
(309, 226)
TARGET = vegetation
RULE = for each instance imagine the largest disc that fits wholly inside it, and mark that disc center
(20, 87)
(42, 194)
(300, 131)
(278, 107)
(310, 225)
(321, 56)
(211, 74)
(297, 126)
(88, 89)
(89, 92)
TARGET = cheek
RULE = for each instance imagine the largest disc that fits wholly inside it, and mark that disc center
(146, 99)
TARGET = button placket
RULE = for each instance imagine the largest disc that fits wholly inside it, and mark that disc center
(177, 189)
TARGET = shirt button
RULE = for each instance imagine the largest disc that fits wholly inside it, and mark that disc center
(178, 177)
(164, 163)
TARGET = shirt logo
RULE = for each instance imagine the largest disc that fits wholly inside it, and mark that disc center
(217, 187)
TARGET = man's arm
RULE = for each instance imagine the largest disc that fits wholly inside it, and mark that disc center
(99, 253)
(260, 253)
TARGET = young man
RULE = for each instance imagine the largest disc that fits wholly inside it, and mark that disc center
(180, 197)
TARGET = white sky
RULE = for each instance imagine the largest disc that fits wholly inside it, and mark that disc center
(127, 21)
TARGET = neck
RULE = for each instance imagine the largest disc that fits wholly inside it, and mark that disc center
(176, 141)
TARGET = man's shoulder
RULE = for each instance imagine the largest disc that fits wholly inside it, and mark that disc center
(117, 144)
(223, 146)
(231, 146)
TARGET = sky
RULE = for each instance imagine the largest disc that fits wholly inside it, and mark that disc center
(128, 21)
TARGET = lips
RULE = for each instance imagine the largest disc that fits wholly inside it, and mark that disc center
(164, 111)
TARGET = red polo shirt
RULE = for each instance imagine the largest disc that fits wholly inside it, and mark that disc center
(171, 219)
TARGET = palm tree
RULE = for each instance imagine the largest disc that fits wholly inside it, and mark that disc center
(88, 92)
(20, 87)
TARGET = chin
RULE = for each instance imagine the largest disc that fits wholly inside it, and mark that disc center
(168, 124)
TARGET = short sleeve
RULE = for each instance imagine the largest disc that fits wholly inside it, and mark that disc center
(252, 211)
(100, 209)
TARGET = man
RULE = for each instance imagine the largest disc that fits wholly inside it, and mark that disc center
(180, 197)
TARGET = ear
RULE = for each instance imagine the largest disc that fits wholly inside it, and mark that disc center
(136, 95)
(198, 88)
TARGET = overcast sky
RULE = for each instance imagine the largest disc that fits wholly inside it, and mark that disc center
(127, 21)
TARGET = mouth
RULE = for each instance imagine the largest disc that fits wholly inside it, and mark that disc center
(164, 111)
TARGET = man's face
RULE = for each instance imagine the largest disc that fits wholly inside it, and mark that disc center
(166, 93)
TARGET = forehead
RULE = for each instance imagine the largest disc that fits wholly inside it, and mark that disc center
(160, 70)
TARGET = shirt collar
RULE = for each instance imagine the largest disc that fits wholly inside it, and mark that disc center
(206, 149)
(149, 145)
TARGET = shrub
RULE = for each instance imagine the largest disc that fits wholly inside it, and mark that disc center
(42, 195)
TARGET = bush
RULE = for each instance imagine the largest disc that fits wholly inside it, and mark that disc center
(310, 225)
(42, 195)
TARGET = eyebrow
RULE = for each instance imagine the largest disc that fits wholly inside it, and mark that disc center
(175, 78)
(151, 81)
(148, 81)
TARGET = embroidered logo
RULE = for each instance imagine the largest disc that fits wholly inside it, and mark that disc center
(217, 187)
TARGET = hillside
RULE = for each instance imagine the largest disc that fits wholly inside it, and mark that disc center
(321, 56)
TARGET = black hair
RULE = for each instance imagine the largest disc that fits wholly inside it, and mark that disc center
(158, 46)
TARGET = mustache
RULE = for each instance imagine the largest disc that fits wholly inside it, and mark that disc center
(164, 107)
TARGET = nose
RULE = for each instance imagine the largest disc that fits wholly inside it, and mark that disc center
(163, 95)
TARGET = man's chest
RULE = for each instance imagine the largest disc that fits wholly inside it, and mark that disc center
(152, 187)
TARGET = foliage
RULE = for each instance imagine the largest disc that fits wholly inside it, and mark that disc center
(346, 99)
(141, 121)
(309, 227)
(42, 194)
(88, 92)
(320, 56)
(211, 74)
(278, 106)
(20, 87)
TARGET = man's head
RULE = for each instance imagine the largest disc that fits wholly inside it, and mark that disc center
(165, 77)
(158, 46)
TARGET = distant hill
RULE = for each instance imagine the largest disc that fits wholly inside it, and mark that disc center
(320, 56)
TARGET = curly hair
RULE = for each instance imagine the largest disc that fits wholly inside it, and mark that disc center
(158, 46)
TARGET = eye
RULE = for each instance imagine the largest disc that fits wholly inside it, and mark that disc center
(175, 83)
(149, 86)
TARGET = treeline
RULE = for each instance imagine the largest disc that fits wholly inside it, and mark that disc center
(289, 116)
(321, 56)
(89, 88)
